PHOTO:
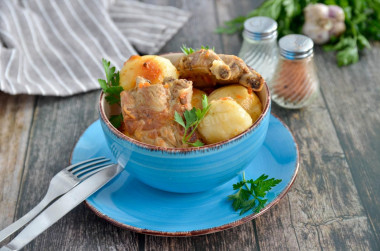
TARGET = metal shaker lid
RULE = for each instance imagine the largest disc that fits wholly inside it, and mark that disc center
(260, 28)
(296, 46)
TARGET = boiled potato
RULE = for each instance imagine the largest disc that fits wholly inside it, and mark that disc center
(196, 100)
(225, 119)
(150, 67)
(249, 101)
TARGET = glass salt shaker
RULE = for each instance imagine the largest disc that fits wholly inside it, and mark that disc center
(259, 49)
(295, 83)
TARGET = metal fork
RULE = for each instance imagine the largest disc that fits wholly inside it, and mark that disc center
(60, 184)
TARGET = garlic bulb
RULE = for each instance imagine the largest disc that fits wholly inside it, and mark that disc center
(323, 21)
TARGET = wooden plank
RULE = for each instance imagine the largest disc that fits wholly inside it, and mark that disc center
(323, 209)
(238, 238)
(16, 113)
(58, 123)
(352, 94)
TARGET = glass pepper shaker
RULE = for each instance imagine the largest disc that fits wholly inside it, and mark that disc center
(259, 49)
(295, 83)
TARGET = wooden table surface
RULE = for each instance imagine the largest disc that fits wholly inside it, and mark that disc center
(334, 203)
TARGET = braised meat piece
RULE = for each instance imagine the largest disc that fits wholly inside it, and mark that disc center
(241, 73)
(148, 111)
(203, 62)
(206, 69)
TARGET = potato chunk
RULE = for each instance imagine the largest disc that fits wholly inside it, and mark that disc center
(150, 67)
(196, 100)
(225, 119)
(249, 101)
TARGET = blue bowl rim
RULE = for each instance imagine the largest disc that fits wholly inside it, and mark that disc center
(209, 147)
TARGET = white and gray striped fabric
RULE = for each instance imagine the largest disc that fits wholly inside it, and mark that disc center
(51, 47)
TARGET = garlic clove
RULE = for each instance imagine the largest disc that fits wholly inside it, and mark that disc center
(316, 33)
(336, 12)
(325, 24)
(338, 29)
(315, 12)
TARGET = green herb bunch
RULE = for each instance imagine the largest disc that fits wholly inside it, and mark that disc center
(111, 87)
(250, 193)
(362, 18)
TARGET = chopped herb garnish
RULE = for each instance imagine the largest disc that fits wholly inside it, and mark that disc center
(251, 192)
(192, 119)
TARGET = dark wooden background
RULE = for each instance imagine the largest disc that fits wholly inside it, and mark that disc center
(333, 205)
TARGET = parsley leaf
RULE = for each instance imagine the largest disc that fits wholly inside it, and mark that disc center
(116, 120)
(112, 99)
(197, 143)
(192, 117)
(112, 89)
(363, 42)
(102, 83)
(179, 119)
(207, 48)
(187, 50)
(250, 193)
(349, 55)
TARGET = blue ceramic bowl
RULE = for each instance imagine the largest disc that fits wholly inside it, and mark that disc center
(187, 170)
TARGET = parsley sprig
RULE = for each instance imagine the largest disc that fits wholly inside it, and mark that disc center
(111, 87)
(250, 193)
(192, 117)
(188, 50)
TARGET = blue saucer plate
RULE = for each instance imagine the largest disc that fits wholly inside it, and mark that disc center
(130, 204)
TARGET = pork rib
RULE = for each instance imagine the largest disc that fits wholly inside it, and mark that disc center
(206, 69)
(148, 111)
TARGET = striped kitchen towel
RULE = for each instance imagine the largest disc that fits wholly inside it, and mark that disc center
(55, 47)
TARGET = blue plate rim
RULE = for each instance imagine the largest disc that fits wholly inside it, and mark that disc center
(206, 230)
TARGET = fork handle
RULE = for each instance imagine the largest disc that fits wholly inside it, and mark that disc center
(6, 232)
